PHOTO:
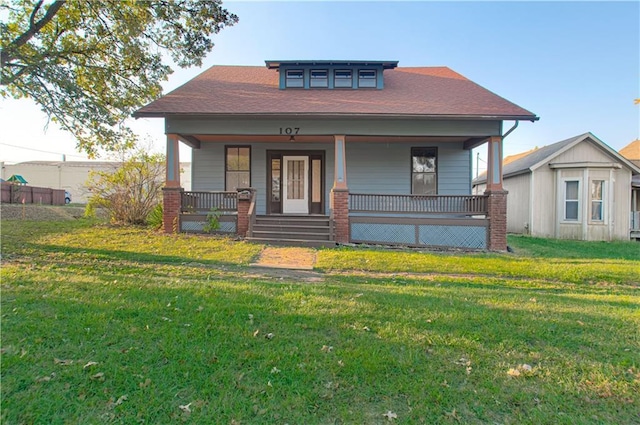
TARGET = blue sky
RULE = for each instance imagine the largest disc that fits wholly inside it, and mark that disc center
(574, 64)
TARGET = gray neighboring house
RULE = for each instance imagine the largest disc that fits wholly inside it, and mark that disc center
(578, 188)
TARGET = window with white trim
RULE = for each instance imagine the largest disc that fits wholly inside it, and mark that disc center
(294, 78)
(367, 78)
(571, 200)
(424, 172)
(319, 78)
(597, 200)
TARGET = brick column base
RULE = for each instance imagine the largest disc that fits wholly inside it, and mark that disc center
(244, 202)
(340, 204)
(171, 204)
(497, 214)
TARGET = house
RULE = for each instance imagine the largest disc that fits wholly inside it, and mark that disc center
(578, 188)
(632, 153)
(338, 152)
(71, 176)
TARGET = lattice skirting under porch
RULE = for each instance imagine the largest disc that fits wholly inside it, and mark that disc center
(194, 223)
(467, 233)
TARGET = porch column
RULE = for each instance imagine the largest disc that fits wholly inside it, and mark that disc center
(340, 192)
(497, 201)
(172, 192)
(245, 196)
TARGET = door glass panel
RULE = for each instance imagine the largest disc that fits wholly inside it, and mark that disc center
(316, 186)
(295, 179)
(275, 180)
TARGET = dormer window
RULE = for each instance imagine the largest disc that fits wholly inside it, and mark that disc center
(319, 78)
(295, 78)
(343, 78)
(367, 78)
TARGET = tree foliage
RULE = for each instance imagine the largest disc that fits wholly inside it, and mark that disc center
(131, 192)
(89, 64)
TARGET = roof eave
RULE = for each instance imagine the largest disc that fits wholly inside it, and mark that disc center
(532, 118)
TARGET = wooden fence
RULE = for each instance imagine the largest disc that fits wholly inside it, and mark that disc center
(18, 194)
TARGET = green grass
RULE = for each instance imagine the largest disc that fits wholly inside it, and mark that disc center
(171, 321)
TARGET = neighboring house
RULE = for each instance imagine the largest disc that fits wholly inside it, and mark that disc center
(71, 176)
(578, 188)
(338, 151)
(632, 153)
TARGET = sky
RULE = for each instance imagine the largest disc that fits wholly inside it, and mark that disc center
(576, 65)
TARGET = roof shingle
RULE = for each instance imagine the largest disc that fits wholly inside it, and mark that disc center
(426, 91)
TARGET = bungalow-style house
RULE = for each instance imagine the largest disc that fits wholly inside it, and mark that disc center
(578, 188)
(337, 152)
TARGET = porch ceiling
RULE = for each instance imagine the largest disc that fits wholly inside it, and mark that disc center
(194, 140)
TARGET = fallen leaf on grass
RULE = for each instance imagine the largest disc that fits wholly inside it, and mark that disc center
(145, 384)
(275, 370)
(453, 415)
(326, 348)
(390, 415)
(46, 378)
(256, 332)
(522, 369)
(186, 408)
(89, 364)
(269, 335)
(98, 376)
(121, 400)
(62, 362)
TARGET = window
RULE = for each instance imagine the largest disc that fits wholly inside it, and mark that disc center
(238, 167)
(367, 78)
(343, 78)
(295, 78)
(571, 200)
(424, 175)
(597, 213)
(319, 78)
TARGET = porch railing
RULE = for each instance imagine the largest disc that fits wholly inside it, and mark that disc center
(199, 202)
(432, 204)
(635, 220)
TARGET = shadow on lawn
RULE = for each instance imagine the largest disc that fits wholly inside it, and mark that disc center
(198, 340)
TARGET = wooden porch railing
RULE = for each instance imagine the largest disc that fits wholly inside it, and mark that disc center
(199, 202)
(432, 204)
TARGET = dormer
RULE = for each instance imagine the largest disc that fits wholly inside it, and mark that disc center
(338, 75)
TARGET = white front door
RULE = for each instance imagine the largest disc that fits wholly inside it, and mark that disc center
(295, 191)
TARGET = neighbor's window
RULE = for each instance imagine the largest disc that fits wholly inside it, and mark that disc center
(319, 78)
(367, 78)
(294, 78)
(597, 213)
(424, 172)
(238, 167)
(571, 200)
(342, 78)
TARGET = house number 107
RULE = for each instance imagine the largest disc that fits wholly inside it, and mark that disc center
(289, 130)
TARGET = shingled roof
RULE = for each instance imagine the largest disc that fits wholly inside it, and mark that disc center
(253, 90)
(533, 159)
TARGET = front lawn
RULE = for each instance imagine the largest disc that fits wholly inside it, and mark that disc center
(112, 325)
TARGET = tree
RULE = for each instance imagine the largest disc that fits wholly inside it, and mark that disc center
(89, 64)
(132, 191)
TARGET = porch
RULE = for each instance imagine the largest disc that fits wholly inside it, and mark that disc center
(441, 221)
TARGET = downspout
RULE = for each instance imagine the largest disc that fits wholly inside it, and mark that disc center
(510, 130)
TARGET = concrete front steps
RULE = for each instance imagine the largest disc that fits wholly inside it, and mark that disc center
(295, 230)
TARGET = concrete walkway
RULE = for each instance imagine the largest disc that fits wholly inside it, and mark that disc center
(293, 258)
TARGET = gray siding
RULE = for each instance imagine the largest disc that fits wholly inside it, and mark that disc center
(371, 167)
(386, 168)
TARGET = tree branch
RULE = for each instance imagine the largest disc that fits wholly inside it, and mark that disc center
(34, 28)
